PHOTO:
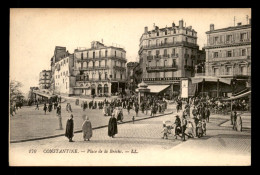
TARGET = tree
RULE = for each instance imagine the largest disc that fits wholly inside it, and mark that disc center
(15, 92)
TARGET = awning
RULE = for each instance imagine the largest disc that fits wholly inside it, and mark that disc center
(195, 80)
(157, 88)
(239, 96)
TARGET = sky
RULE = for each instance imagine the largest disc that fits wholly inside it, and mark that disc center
(34, 33)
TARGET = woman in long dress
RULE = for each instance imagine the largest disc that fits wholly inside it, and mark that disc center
(86, 128)
(112, 126)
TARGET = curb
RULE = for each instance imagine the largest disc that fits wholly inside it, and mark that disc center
(78, 131)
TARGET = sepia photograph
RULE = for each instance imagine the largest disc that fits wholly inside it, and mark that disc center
(130, 87)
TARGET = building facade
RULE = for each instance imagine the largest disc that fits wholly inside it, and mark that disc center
(130, 75)
(167, 55)
(100, 70)
(228, 54)
(59, 53)
(64, 77)
(45, 79)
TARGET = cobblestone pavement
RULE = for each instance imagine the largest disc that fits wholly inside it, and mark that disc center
(221, 146)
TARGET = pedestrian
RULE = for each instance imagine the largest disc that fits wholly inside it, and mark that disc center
(204, 127)
(45, 108)
(136, 110)
(183, 125)
(133, 119)
(239, 123)
(112, 127)
(86, 128)
(207, 114)
(235, 121)
(37, 106)
(70, 128)
(190, 129)
(165, 132)
(200, 132)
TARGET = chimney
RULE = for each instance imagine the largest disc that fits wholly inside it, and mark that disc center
(211, 27)
(181, 24)
(239, 24)
(145, 29)
(173, 24)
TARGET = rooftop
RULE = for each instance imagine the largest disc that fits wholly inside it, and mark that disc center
(238, 27)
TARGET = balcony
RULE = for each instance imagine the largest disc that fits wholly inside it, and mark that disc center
(174, 55)
(82, 78)
(119, 68)
(94, 68)
(224, 43)
(162, 68)
(150, 57)
(230, 58)
(166, 56)
(156, 80)
(168, 44)
(157, 57)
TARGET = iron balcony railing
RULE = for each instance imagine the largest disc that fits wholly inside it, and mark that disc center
(161, 68)
(94, 68)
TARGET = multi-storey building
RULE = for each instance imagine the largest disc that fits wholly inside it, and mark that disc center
(59, 53)
(228, 54)
(167, 55)
(64, 77)
(100, 70)
(45, 79)
(130, 75)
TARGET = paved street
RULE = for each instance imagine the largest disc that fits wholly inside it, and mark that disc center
(29, 123)
(221, 146)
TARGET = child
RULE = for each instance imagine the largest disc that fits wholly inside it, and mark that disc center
(204, 127)
(200, 132)
(165, 131)
(190, 129)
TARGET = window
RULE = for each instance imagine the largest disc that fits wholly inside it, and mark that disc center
(87, 64)
(186, 39)
(149, 43)
(106, 53)
(243, 70)
(157, 42)
(229, 70)
(93, 54)
(165, 32)
(99, 54)
(173, 51)
(87, 54)
(191, 62)
(157, 63)
(165, 63)
(93, 63)
(106, 63)
(186, 31)
(114, 75)
(165, 52)
(173, 40)
(99, 76)
(173, 62)
(82, 55)
(229, 38)
(121, 64)
(99, 64)
(121, 76)
(87, 77)
(243, 52)
(157, 33)
(149, 53)
(115, 63)
(121, 55)
(243, 36)
(229, 54)
(67, 73)
(216, 40)
(67, 60)
(174, 31)
(115, 53)
(157, 52)
(106, 75)
(165, 40)
(216, 71)
(215, 54)
(186, 61)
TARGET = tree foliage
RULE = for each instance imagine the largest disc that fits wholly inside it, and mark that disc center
(15, 92)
